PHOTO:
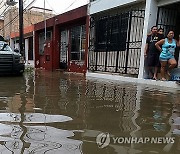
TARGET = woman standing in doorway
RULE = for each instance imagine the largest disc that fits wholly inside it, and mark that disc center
(167, 52)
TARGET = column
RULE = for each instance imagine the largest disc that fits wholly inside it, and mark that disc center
(26, 50)
(151, 10)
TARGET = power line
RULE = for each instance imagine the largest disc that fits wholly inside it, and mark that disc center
(6, 7)
(70, 5)
(16, 16)
(51, 7)
(1, 2)
(2, 5)
(9, 22)
(4, 11)
(30, 5)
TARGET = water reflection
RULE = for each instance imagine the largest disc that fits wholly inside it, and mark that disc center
(58, 112)
(33, 118)
(37, 139)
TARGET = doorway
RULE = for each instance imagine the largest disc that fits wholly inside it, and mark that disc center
(30, 49)
(167, 18)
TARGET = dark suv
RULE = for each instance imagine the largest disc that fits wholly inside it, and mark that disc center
(11, 62)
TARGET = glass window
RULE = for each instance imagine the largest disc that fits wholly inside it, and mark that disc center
(42, 41)
(78, 42)
(5, 47)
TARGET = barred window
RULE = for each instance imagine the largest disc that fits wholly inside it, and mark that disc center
(101, 34)
(111, 33)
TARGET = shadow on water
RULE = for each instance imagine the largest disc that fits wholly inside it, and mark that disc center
(45, 112)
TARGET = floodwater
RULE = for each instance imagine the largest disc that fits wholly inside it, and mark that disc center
(64, 113)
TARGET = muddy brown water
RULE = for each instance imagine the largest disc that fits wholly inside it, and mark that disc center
(64, 113)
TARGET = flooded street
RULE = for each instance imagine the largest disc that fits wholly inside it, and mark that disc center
(63, 113)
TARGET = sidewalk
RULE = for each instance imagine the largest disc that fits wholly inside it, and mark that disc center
(169, 84)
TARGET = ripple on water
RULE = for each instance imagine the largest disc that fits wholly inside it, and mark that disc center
(33, 118)
(38, 139)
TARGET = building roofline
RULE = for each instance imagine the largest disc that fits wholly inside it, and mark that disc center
(28, 29)
(40, 8)
(63, 18)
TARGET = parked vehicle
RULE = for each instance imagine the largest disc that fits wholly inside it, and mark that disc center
(11, 62)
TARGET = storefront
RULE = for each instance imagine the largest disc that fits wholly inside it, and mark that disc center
(65, 44)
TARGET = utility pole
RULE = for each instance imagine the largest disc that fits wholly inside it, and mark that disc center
(21, 34)
(44, 22)
(21, 27)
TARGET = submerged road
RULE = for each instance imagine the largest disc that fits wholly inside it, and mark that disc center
(64, 113)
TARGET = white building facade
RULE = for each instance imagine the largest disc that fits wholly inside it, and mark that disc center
(118, 31)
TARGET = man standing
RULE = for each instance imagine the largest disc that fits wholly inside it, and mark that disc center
(151, 53)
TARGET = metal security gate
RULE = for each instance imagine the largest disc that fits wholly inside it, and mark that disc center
(168, 19)
(115, 42)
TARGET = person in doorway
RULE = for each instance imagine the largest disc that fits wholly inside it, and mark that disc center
(161, 33)
(152, 54)
(167, 53)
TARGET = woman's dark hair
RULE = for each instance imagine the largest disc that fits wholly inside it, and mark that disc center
(153, 27)
(170, 30)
